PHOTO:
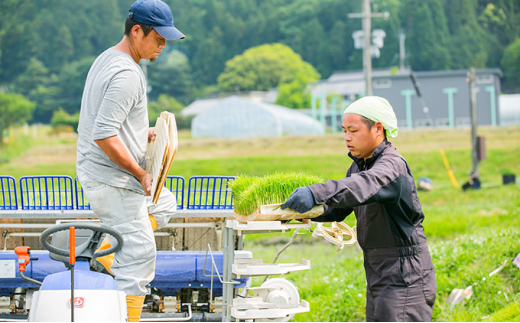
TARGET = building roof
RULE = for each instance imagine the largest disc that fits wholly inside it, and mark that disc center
(347, 83)
(203, 104)
(198, 106)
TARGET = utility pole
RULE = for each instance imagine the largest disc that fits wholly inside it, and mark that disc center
(402, 49)
(473, 110)
(367, 59)
(367, 16)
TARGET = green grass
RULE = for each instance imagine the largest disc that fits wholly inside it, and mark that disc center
(510, 313)
(18, 143)
(335, 285)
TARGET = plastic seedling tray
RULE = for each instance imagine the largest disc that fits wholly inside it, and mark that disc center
(273, 212)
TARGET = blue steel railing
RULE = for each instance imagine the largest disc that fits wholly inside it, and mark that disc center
(8, 198)
(179, 189)
(47, 192)
(210, 192)
(60, 192)
(81, 200)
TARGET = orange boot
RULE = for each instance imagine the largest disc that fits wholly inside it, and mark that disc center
(153, 222)
(107, 260)
(135, 306)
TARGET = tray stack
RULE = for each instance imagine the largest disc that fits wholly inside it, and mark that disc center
(273, 212)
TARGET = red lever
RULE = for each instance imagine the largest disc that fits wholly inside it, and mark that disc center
(72, 245)
(24, 257)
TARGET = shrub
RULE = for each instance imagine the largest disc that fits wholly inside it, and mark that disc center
(61, 119)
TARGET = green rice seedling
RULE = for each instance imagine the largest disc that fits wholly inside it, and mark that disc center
(250, 192)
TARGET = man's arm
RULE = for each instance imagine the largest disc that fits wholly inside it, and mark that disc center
(332, 214)
(117, 102)
(117, 152)
(378, 184)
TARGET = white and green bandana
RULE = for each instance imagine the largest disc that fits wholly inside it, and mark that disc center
(376, 109)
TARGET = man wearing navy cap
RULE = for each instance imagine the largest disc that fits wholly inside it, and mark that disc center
(113, 135)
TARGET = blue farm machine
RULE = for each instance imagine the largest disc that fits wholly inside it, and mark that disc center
(49, 272)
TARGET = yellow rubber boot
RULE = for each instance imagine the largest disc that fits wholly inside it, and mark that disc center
(107, 260)
(135, 306)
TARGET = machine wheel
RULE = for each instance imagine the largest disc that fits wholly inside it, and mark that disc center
(284, 292)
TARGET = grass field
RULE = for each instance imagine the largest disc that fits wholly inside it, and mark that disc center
(470, 233)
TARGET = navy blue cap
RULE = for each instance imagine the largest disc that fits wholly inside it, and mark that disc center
(157, 14)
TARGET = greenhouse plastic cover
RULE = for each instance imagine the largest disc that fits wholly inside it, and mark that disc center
(235, 117)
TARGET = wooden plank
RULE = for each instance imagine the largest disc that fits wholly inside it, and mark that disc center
(169, 153)
(155, 155)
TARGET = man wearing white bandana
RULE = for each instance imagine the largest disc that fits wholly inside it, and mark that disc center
(379, 187)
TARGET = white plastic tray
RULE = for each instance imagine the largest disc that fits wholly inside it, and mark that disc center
(265, 226)
(258, 268)
(255, 308)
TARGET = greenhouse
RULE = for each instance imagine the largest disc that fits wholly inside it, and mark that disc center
(236, 117)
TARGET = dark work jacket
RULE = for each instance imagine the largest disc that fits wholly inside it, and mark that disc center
(401, 283)
(382, 194)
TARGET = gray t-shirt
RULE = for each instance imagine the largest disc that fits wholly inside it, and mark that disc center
(113, 103)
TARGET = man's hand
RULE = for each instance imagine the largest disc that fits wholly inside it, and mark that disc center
(117, 152)
(301, 200)
(151, 134)
(146, 181)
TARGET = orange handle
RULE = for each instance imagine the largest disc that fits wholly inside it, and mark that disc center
(24, 257)
(72, 245)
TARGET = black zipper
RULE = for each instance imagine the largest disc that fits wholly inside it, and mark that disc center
(364, 206)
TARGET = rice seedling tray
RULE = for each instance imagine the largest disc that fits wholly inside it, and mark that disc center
(260, 198)
(265, 226)
(273, 212)
(256, 267)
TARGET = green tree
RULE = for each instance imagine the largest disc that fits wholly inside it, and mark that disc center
(295, 95)
(264, 67)
(511, 66)
(62, 118)
(35, 75)
(168, 103)
(469, 44)
(171, 75)
(14, 109)
(65, 44)
(427, 36)
(64, 90)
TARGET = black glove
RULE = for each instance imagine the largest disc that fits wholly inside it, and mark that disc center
(301, 200)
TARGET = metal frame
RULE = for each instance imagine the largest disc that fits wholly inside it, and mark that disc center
(169, 185)
(200, 187)
(232, 230)
(78, 191)
(61, 192)
(89, 214)
(227, 289)
(7, 194)
(45, 199)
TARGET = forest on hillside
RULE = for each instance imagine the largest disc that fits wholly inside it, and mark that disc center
(47, 46)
